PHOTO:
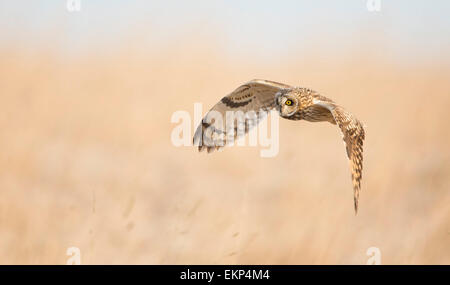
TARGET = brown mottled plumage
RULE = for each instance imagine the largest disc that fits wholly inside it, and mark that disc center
(259, 96)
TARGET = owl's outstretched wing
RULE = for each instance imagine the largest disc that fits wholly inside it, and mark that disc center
(353, 136)
(253, 99)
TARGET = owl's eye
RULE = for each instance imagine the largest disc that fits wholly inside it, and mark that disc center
(288, 102)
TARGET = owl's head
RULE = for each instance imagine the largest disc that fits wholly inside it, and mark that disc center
(287, 103)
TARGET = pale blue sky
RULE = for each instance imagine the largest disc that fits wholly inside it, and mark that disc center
(411, 28)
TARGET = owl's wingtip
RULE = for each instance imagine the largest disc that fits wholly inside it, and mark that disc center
(208, 149)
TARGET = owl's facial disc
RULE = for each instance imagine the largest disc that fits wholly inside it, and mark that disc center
(287, 105)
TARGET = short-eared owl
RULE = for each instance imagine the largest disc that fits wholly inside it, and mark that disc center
(292, 103)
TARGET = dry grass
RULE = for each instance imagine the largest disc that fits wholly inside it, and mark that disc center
(86, 160)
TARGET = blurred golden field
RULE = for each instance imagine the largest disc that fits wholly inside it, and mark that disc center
(86, 160)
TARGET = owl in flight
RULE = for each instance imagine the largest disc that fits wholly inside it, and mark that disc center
(293, 103)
